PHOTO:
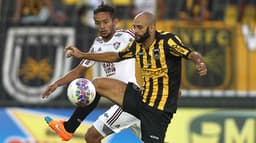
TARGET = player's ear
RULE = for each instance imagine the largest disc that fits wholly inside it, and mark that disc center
(152, 28)
(116, 21)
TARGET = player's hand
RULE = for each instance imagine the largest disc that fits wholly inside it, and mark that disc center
(72, 51)
(201, 67)
(49, 90)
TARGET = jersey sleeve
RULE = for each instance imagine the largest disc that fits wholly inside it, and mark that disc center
(128, 52)
(127, 38)
(88, 63)
(177, 48)
(128, 31)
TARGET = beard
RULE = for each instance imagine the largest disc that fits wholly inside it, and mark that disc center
(144, 37)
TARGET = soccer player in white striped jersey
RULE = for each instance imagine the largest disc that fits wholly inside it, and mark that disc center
(115, 119)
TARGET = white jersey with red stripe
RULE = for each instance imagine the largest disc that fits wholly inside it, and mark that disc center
(115, 119)
(124, 70)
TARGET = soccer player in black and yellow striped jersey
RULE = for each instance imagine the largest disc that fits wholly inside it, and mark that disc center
(159, 55)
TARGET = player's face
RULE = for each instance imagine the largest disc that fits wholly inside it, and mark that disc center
(105, 25)
(142, 35)
(141, 29)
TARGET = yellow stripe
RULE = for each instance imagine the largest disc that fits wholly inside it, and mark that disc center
(138, 68)
(165, 78)
(178, 48)
(151, 53)
(162, 57)
(164, 33)
(128, 55)
(164, 94)
(155, 80)
(145, 94)
(144, 58)
(174, 54)
(146, 79)
(154, 92)
(178, 39)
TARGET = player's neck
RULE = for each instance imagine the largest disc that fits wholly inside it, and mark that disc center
(106, 39)
(148, 42)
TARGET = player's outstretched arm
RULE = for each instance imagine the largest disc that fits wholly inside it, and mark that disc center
(73, 74)
(72, 51)
(200, 64)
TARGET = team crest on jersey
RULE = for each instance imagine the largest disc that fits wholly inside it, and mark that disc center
(116, 45)
(156, 54)
(34, 58)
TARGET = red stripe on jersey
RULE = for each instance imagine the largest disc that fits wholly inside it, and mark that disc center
(129, 31)
(82, 61)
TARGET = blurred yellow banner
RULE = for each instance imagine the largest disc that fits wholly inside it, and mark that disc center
(212, 126)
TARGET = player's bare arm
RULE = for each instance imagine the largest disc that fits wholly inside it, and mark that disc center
(200, 64)
(75, 73)
(72, 51)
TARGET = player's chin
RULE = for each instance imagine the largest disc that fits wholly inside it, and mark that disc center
(104, 34)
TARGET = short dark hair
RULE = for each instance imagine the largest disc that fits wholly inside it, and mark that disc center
(105, 8)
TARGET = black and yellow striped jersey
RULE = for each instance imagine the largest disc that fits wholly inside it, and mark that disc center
(160, 69)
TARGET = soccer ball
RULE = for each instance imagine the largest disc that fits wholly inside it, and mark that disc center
(81, 92)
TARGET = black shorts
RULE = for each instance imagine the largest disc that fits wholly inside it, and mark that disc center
(154, 122)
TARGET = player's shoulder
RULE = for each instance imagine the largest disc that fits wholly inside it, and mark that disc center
(122, 32)
(98, 39)
(97, 44)
(167, 35)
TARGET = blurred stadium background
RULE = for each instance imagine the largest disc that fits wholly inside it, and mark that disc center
(218, 108)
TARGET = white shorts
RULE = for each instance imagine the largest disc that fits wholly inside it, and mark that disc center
(115, 120)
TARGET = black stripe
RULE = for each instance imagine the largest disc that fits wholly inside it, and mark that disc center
(141, 57)
(159, 92)
(115, 116)
(150, 91)
(157, 51)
